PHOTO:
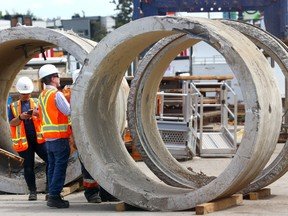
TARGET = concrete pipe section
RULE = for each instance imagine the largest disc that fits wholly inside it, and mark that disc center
(155, 154)
(99, 137)
(278, 51)
(165, 167)
(17, 46)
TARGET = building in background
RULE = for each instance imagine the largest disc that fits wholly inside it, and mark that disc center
(84, 26)
(89, 26)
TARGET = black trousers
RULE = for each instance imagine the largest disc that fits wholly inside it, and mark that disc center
(105, 196)
(29, 161)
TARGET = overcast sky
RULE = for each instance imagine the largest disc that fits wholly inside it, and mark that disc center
(59, 8)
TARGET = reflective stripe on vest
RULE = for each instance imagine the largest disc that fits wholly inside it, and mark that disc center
(18, 134)
(54, 123)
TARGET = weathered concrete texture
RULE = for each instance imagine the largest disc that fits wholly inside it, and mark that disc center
(278, 52)
(99, 135)
(154, 154)
(17, 46)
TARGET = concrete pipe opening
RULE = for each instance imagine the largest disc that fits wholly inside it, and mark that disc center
(17, 46)
(165, 166)
(278, 51)
(100, 139)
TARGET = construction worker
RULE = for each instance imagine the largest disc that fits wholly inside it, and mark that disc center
(54, 111)
(93, 193)
(26, 132)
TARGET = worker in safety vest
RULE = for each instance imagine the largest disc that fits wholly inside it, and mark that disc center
(54, 112)
(94, 193)
(26, 132)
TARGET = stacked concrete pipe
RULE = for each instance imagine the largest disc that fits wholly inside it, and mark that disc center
(99, 137)
(17, 46)
(166, 167)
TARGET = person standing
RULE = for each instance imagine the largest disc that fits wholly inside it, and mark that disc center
(93, 192)
(26, 132)
(54, 111)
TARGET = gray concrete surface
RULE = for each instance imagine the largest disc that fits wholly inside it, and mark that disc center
(276, 204)
(98, 136)
(12, 60)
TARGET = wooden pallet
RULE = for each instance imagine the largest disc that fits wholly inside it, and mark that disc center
(205, 208)
(12, 156)
(256, 195)
(122, 206)
(220, 204)
(70, 188)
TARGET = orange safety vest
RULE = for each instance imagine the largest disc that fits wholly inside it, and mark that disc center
(55, 124)
(18, 134)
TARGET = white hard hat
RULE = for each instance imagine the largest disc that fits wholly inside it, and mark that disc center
(75, 75)
(46, 70)
(24, 85)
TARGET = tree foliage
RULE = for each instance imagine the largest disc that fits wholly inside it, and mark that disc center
(97, 31)
(29, 13)
(125, 9)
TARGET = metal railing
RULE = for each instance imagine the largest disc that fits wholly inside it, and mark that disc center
(193, 110)
(216, 59)
(226, 112)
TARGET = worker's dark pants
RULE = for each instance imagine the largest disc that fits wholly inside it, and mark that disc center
(29, 160)
(89, 191)
(58, 155)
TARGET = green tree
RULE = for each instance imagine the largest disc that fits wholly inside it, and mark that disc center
(29, 13)
(125, 9)
(97, 30)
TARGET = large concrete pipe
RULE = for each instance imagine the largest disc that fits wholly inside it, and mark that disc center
(278, 51)
(154, 153)
(169, 170)
(101, 142)
(17, 46)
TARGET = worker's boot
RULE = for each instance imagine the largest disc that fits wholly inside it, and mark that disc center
(32, 196)
(95, 198)
(107, 197)
(57, 202)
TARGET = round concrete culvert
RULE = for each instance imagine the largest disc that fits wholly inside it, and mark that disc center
(17, 46)
(165, 167)
(277, 50)
(155, 153)
(101, 140)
